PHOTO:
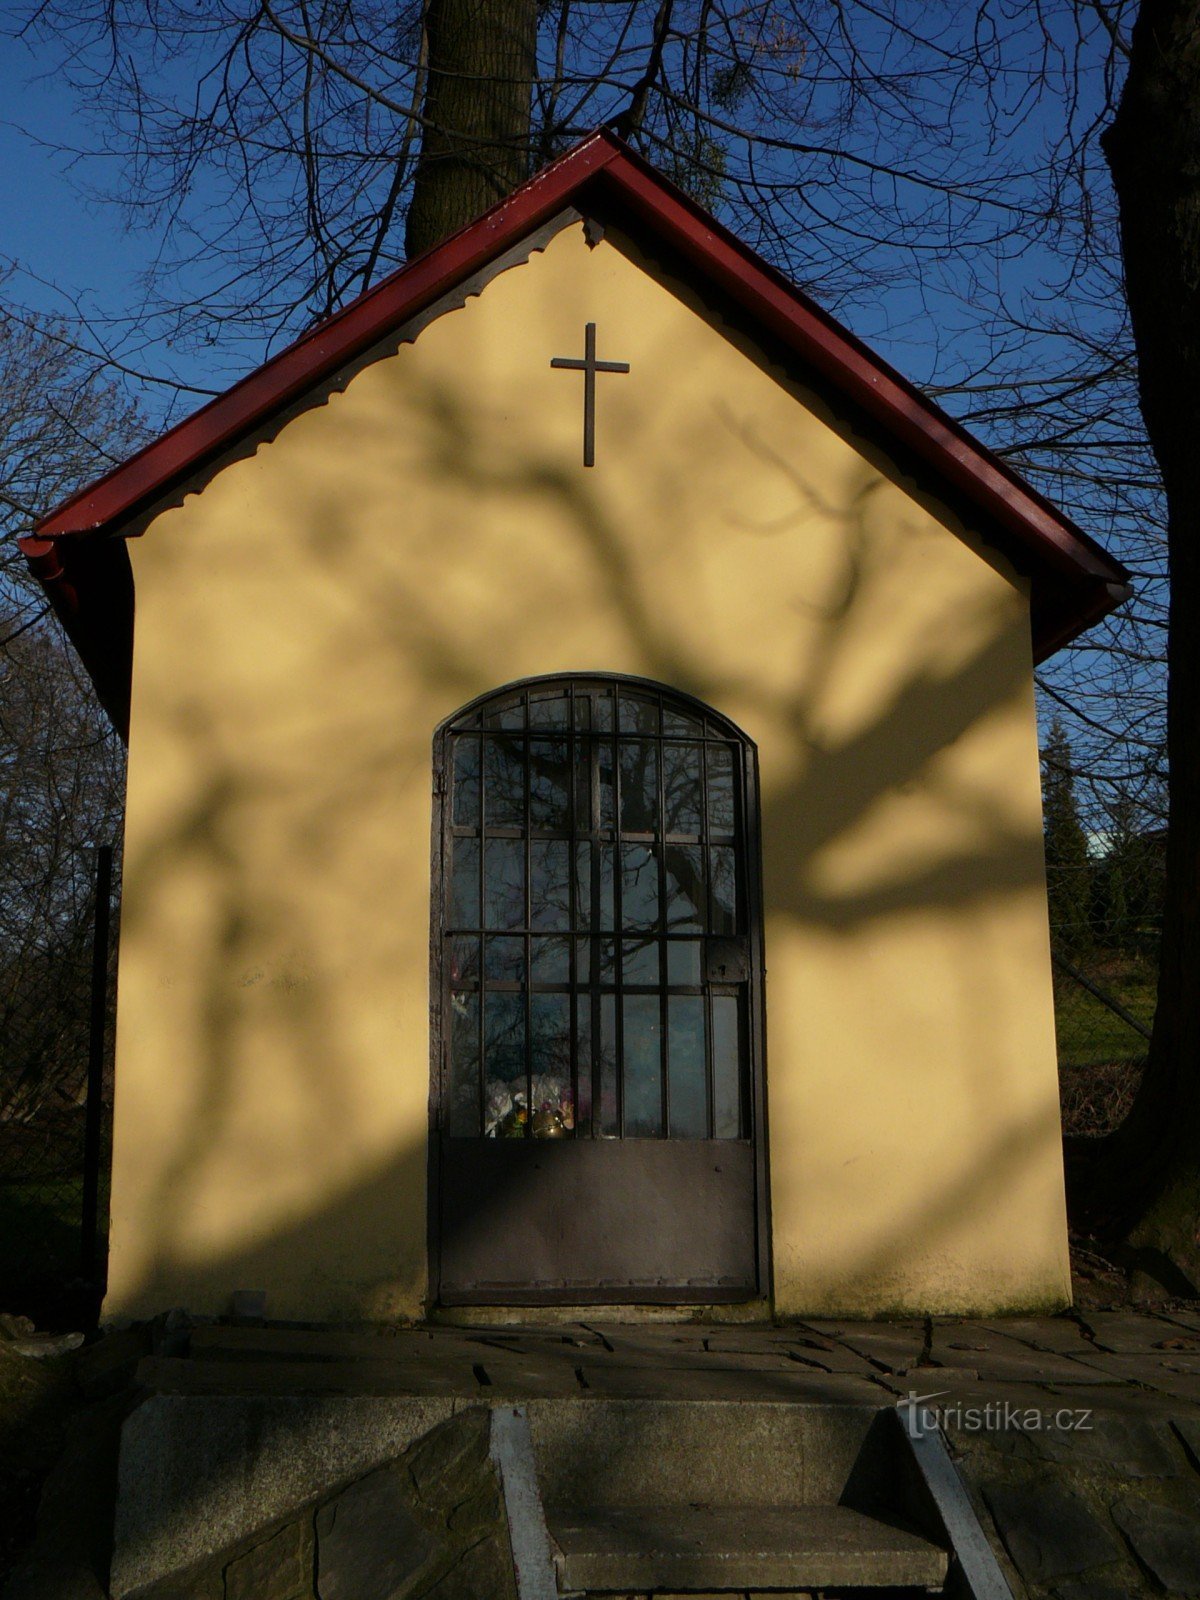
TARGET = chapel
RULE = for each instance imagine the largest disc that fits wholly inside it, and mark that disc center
(583, 842)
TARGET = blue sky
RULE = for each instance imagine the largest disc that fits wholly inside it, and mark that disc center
(69, 251)
(48, 224)
(76, 250)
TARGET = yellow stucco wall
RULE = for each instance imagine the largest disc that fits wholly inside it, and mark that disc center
(304, 623)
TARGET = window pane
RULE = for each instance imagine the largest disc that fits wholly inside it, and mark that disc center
(639, 714)
(639, 961)
(674, 722)
(504, 782)
(610, 1127)
(504, 961)
(548, 792)
(683, 787)
(504, 1066)
(605, 914)
(509, 716)
(723, 867)
(639, 786)
(550, 960)
(643, 1062)
(688, 1078)
(550, 1042)
(608, 801)
(464, 959)
(464, 884)
(684, 866)
(583, 885)
(727, 1088)
(639, 886)
(549, 890)
(551, 712)
(583, 786)
(583, 1065)
(504, 884)
(720, 789)
(466, 782)
(583, 1007)
(464, 1066)
(683, 962)
(606, 955)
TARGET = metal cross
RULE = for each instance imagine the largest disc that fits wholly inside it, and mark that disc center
(589, 366)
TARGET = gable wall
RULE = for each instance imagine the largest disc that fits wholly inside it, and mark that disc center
(305, 623)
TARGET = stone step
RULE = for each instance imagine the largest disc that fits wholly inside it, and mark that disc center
(602, 1452)
(730, 1549)
(250, 1378)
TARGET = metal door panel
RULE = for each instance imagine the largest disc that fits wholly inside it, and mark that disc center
(594, 1220)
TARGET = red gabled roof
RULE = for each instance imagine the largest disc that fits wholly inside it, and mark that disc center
(1074, 580)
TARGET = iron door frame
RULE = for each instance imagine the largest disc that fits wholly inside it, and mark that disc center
(439, 995)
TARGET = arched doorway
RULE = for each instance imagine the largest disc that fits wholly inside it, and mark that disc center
(597, 993)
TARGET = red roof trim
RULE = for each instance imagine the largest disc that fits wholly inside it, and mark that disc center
(855, 369)
(1087, 581)
(324, 349)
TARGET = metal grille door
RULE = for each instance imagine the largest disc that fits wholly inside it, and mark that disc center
(597, 945)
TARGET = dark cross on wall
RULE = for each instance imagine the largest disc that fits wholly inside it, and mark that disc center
(589, 366)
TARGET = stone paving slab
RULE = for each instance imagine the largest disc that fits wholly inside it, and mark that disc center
(1166, 1540)
(1185, 1318)
(715, 1383)
(784, 1338)
(1115, 1398)
(1124, 1332)
(1044, 1362)
(654, 1358)
(831, 1357)
(975, 1406)
(893, 1346)
(1048, 1529)
(1177, 1374)
(651, 1335)
(172, 1375)
(1128, 1445)
(530, 1341)
(517, 1375)
(1002, 1357)
(1063, 1334)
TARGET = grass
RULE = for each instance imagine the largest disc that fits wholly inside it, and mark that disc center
(1100, 1057)
(1089, 1033)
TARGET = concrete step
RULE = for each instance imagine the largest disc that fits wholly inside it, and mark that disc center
(730, 1549)
(593, 1452)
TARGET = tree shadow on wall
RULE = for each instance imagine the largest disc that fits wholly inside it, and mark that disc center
(260, 945)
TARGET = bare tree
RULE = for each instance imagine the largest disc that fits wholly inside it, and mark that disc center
(1147, 1183)
(935, 161)
(61, 764)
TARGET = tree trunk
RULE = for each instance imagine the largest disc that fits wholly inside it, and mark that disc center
(475, 141)
(1147, 1180)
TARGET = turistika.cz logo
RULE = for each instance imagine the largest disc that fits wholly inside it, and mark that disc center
(994, 1416)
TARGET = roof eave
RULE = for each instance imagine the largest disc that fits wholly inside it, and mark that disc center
(145, 477)
(1081, 584)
